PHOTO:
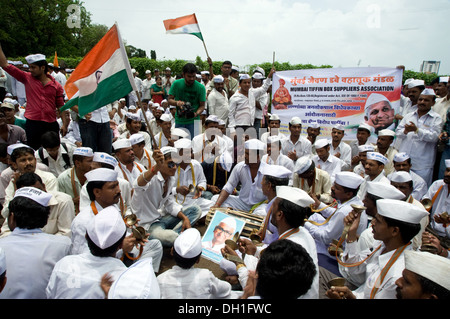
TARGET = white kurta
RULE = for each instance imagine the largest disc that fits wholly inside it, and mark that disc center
(123, 171)
(193, 283)
(332, 165)
(79, 276)
(302, 147)
(30, 258)
(200, 142)
(218, 104)
(346, 155)
(441, 204)
(372, 268)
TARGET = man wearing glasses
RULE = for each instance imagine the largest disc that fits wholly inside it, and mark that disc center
(153, 201)
(224, 230)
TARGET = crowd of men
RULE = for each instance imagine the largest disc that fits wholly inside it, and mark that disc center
(90, 203)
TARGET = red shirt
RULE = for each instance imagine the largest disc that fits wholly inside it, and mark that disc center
(42, 100)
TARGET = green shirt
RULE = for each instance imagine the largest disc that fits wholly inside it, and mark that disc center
(20, 122)
(194, 94)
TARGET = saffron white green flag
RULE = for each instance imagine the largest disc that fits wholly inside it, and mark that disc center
(102, 77)
(183, 25)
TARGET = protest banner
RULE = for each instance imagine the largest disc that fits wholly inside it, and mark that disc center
(347, 96)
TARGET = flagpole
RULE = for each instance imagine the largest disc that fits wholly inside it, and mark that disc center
(146, 120)
(203, 41)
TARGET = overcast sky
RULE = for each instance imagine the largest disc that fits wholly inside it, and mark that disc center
(348, 33)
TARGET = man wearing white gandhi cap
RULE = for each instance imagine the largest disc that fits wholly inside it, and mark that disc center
(224, 230)
(312, 179)
(425, 277)
(250, 193)
(379, 112)
(127, 167)
(289, 210)
(184, 280)
(374, 171)
(105, 236)
(154, 202)
(30, 253)
(395, 224)
(143, 154)
(324, 160)
(326, 224)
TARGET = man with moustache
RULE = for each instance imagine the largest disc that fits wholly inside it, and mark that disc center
(339, 148)
(418, 134)
(379, 113)
(127, 167)
(218, 99)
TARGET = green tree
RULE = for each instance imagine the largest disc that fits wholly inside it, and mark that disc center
(153, 54)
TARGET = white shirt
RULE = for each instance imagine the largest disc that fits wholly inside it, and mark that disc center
(184, 178)
(193, 283)
(147, 138)
(420, 187)
(420, 146)
(325, 234)
(242, 108)
(30, 257)
(148, 202)
(146, 84)
(100, 115)
(146, 160)
(302, 147)
(57, 166)
(265, 135)
(372, 268)
(346, 154)
(218, 104)
(332, 165)
(363, 187)
(130, 176)
(251, 192)
(441, 204)
(199, 143)
(79, 276)
(281, 160)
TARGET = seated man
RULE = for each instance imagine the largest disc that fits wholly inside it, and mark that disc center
(326, 224)
(312, 179)
(105, 235)
(324, 160)
(154, 202)
(126, 165)
(402, 162)
(30, 253)
(23, 161)
(339, 148)
(216, 174)
(61, 207)
(248, 174)
(360, 169)
(72, 179)
(374, 171)
(424, 277)
(363, 134)
(143, 155)
(190, 173)
(164, 137)
(295, 146)
(133, 125)
(385, 148)
(312, 131)
(208, 145)
(394, 226)
(56, 155)
(273, 153)
(274, 124)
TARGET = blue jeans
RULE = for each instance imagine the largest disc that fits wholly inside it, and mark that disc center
(172, 224)
(194, 128)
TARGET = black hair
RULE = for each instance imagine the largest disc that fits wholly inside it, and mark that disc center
(295, 215)
(21, 151)
(185, 263)
(28, 214)
(285, 271)
(42, 63)
(3, 149)
(90, 188)
(106, 252)
(431, 287)
(227, 62)
(189, 68)
(50, 139)
(28, 179)
(354, 191)
(408, 160)
(407, 230)
(78, 158)
(276, 181)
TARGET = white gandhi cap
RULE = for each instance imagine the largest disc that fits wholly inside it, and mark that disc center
(401, 210)
(348, 179)
(384, 190)
(34, 194)
(101, 175)
(430, 266)
(107, 227)
(188, 244)
(294, 195)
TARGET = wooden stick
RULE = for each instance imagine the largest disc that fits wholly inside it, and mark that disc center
(146, 121)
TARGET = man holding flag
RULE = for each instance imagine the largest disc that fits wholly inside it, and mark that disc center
(102, 77)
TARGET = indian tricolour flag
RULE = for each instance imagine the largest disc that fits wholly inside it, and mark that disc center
(183, 25)
(102, 77)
